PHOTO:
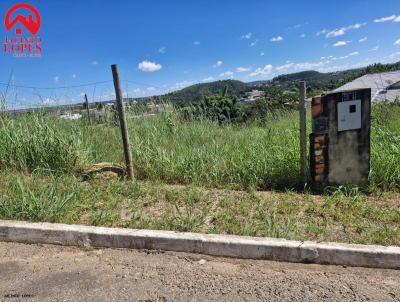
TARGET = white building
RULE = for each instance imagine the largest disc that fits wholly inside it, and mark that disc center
(71, 116)
(384, 86)
(252, 96)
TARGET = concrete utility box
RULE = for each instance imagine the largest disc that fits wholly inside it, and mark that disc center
(340, 142)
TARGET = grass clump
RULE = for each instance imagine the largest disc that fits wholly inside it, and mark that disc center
(38, 199)
(35, 142)
(230, 156)
(385, 147)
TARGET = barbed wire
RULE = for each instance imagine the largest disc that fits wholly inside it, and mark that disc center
(142, 84)
(18, 96)
(55, 87)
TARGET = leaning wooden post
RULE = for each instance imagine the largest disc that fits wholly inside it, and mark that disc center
(122, 120)
(87, 108)
(303, 132)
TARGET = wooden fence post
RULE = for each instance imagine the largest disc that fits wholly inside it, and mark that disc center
(122, 120)
(303, 131)
(87, 108)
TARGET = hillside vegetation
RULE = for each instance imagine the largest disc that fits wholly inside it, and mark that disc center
(317, 83)
(197, 92)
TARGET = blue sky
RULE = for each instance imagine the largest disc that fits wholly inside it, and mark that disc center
(165, 45)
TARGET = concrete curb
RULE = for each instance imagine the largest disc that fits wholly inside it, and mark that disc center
(215, 245)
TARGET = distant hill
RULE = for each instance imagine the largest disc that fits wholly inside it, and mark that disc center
(197, 92)
(317, 82)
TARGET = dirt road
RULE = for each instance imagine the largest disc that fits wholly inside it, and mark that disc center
(53, 273)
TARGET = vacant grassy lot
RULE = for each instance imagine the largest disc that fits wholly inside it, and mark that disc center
(198, 153)
(187, 174)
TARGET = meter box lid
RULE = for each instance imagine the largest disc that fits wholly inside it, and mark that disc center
(349, 115)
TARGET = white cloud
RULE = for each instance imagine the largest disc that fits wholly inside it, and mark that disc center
(302, 35)
(196, 43)
(341, 43)
(254, 43)
(341, 31)
(394, 55)
(336, 33)
(397, 42)
(320, 65)
(262, 54)
(218, 64)
(363, 39)
(264, 71)
(285, 67)
(375, 48)
(297, 26)
(73, 76)
(162, 49)
(322, 32)
(56, 79)
(226, 74)
(209, 79)
(308, 65)
(151, 89)
(329, 59)
(277, 39)
(94, 63)
(181, 85)
(385, 19)
(355, 53)
(49, 101)
(243, 69)
(148, 66)
(246, 36)
(397, 19)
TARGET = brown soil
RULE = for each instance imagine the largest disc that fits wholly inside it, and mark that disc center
(53, 273)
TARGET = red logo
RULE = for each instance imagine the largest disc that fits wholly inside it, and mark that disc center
(30, 25)
(23, 46)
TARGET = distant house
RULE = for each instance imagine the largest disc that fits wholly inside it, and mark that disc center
(70, 116)
(384, 86)
(252, 96)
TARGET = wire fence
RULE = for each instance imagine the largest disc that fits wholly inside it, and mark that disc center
(15, 97)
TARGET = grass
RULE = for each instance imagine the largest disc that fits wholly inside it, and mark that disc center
(385, 147)
(36, 142)
(345, 215)
(198, 152)
(196, 176)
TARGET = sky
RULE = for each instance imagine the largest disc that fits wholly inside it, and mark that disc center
(163, 46)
